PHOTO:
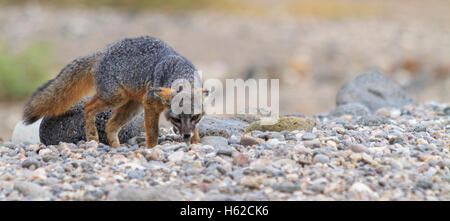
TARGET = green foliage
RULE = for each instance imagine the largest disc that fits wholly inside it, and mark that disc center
(21, 73)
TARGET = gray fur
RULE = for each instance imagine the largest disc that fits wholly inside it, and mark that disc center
(132, 63)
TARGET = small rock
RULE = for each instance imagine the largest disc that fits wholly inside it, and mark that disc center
(286, 187)
(261, 165)
(225, 151)
(92, 144)
(318, 188)
(136, 140)
(312, 143)
(176, 156)
(249, 181)
(320, 158)
(136, 174)
(215, 141)
(27, 163)
(250, 141)
(240, 159)
(368, 159)
(447, 111)
(384, 112)
(50, 157)
(308, 136)
(424, 184)
(360, 188)
(45, 151)
(358, 148)
(395, 113)
(224, 127)
(155, 154)
(284, 124)
(173, 147)
(233, 140)
(275, 142)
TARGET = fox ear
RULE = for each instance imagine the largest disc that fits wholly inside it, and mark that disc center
(161, 93)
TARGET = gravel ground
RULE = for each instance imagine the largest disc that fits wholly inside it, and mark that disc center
(395, 154)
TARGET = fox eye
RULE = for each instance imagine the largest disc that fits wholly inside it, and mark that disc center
(196, 118)
(175, 120)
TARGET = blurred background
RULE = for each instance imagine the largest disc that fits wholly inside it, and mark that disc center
(312, 46)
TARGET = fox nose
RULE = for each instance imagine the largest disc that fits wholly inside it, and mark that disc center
(186, 135)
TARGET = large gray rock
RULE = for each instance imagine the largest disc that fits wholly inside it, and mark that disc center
(224, 127)
(374, 91)
(353, 109)
(69, 127)
(215, 141)
(26, 133)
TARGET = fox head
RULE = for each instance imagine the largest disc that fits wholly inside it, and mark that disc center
(184, 108)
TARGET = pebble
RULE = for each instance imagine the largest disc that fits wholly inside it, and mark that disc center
(358, 148)
(27, 163)
(424, 184)
(155, 154)
(233, 140)
(215, 141)
(320, 158)
(251, 181)
(312, 143)
(286, 187)
(136, 174)
(308, 136)
(225, 151)
(45, 151)
(240, 159)
(172, 147)
(360, 188)
(250, 141)
(176, 156)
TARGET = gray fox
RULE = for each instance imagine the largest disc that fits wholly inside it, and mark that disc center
(128, 75)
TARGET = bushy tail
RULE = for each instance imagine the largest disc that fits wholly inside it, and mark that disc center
(58, 95)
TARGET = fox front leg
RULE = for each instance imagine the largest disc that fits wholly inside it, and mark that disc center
(196, 138)
(151, 127)
(155, 102)
(152, 111)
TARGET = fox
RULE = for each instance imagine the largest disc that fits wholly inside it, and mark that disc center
(129, 75)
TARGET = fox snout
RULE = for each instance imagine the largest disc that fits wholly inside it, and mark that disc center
(185, 128)
(187, 135)
(184, 124)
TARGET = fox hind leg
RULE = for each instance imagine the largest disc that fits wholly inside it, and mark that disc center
(91, 109)
(120, 117)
